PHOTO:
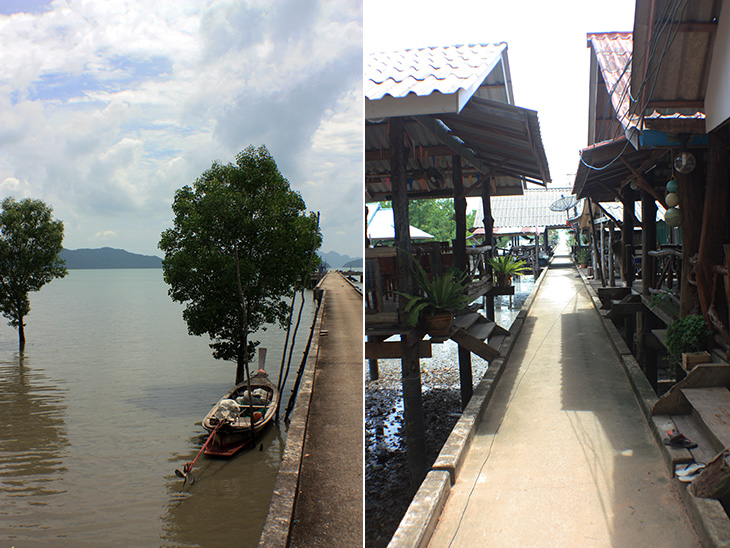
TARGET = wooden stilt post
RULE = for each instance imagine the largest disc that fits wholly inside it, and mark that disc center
(465, 376)
(488, 237)
(410, 364)
(603, 250)
(648, 241)
(691, 201)
(611, 266)
(595, 244)
(627, 236)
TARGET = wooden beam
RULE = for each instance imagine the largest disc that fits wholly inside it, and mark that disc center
(697, 26)
(390, 350)
(675, 104)
(607, 214)
(381, 155)
(643, 184)
(471, 343)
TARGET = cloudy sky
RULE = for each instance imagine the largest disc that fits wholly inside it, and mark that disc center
(548, 57)
(108, 107)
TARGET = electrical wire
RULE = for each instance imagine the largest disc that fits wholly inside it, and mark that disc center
(665, 21)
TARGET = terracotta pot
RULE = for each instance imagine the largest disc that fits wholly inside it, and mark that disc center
(439, 324)
(504, 280)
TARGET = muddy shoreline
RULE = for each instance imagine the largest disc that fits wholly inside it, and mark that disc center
(387, 489)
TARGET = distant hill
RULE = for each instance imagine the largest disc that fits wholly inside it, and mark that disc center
(335, 260)
(106, 257)
(356, 263)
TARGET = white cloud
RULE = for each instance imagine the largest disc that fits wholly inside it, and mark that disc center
(109, 107)
(105, 235)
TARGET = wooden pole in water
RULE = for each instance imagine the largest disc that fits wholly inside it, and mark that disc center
(410, 364)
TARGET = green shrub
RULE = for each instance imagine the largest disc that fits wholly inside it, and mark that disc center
(688, 334)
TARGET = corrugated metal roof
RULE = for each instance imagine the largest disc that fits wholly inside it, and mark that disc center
(512, 141)
(427, 70)
(604, 182)
(528, 210)
(505, 137)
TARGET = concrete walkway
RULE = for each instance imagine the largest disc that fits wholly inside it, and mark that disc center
(329, 506)
(563, 456)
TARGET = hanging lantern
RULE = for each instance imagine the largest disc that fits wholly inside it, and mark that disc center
(673, 217)
(684, 162)
(672, 199)
(672, 186)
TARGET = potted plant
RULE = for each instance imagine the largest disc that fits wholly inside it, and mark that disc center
(685, 335)
(582, 256)
(440, 297)
(506, 266)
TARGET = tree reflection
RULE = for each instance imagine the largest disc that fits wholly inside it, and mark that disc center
(32, 437)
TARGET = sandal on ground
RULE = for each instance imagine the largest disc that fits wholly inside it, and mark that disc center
(691, 469)
(676, 439)
(689, 478)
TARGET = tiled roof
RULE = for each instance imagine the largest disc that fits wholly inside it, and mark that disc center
(424, 71)
(613, 54)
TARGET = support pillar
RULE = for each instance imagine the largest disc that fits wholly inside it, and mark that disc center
(715, 226)
(597, 262)
(460, 262)
(611, 266)
(627, 237)
(648, 241)
(410, 364)
(691, 201)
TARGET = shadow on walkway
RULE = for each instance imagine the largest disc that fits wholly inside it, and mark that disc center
(563, 456)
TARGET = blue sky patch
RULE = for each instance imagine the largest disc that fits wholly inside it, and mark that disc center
(121, 73)
(9, 7)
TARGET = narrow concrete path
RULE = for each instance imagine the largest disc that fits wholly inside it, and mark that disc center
(329, 507)
(563, 456)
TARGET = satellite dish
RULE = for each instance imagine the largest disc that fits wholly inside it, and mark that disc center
(564, 203)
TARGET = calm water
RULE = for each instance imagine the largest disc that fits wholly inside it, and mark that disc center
(105, 404)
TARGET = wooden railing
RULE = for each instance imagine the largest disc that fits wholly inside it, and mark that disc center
(668, 270)
(381, 278)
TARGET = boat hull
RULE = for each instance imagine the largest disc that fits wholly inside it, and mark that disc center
(230, 438)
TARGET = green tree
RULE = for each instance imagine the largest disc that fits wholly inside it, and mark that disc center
(241, 241)
(30, 243)
(435, 217)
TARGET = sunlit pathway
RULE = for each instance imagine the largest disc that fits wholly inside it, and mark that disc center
(563, 456)
(329, 507)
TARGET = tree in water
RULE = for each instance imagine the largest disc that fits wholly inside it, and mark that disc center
(241, 241)
(30, 243)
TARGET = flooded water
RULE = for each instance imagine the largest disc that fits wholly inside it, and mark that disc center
(103, 407)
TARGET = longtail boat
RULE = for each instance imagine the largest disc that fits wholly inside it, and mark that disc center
(255, 398)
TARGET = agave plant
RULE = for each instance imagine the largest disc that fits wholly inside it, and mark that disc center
(440, 293)
(506, 266)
